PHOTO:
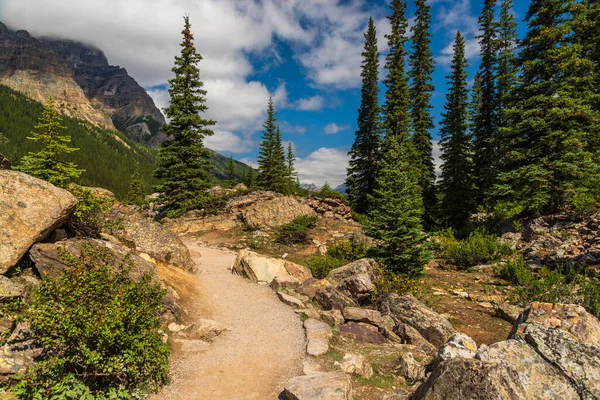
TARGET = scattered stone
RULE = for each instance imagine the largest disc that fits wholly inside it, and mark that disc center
(30, 210)
(175, 327)
(356, 364)
(508, 312)
(317, 329)
(206, 329)
(410, 368)
(309, 367)
(284, 282)
(460, 293)
(331, 298)
(458, 345)
(290, 300)
(408, 310)
(410, 335)
(485, 304)
(9, 289)
(363, 333)
(317, 347)
(258, 268)
(310, 286)
(309, 313)
(320, 386)
(355, 280)
(357, 314)
(332, 317)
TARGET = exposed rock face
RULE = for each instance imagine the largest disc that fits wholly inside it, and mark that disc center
(331, 208)
(332, 299)
(459, 345)
(24, 219)
(356, 364)
(79, 77)
(149, 237)
(357, 314)
(320, 386)
(259, 268)
(271, 213)
(408, 310)
(462, 378)
(18, 353)
(355, 280)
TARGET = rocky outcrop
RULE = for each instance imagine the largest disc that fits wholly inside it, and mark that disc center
(259, 268)
(148, 238)
(408, 310)
(24, 219)
(331, 208)
(320, 386)
(355, 280)
(458, 345)
(274, 212)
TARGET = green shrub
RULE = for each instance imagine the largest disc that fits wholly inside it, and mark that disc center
(516, 271)
(362, 219)
(480, 247)
(297, 230)
(100, 332)
(338, 254)
(320, 266)
(89, 217)
(388, 282)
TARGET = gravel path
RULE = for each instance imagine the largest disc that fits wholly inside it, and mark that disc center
(262, 348)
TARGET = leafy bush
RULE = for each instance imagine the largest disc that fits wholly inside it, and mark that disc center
(100, 332)
(88, 219)
(516, 271)
(320, 266)
(388, 282)
(362, 219)
(297, 230)
(338, 254)
(480, 247)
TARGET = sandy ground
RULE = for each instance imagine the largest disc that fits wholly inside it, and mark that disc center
(262, 348)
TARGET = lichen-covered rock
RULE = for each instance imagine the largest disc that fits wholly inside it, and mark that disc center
(362, 332)
(468, 378)
(355, 280)
(458, 345)
(149, 237)
(410, 368)
(357, 314)
(30, 209)
(274, 212)
(356, 364)
(540, 380)
(284, 282)
(319, 386)
(408, 310)
(9, 289)
(330, 298)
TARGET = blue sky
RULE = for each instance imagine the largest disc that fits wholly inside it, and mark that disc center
(304, 53)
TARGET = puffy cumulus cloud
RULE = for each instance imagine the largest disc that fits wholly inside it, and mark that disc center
(228, 142)
(323, 165)
(437, 153)
(332, 128)
(314, 103)
(286, 127)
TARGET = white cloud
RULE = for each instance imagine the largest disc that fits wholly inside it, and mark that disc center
(332, 128)
(227, 142)
(286, 127)
(454, 15)
(437, 153)
(249, 161)
(472, 51)
(314, 103)
(323, 165)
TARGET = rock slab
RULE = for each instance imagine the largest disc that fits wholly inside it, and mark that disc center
(320, 386)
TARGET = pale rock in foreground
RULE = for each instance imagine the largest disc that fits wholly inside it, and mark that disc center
(318, 334)
(320, 386)
(356, 364)
(24, 219)
(259, 268)
(458, 345)
(357, 314)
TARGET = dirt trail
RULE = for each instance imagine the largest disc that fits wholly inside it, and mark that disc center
(263, 346)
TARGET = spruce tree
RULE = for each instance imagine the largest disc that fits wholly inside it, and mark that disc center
(183, 162)
(290, 170)
(135, 195)
(397, 120)
(230, 171)
(48, 163)
(365, 151)
(271, 158)
(484, 129)
(550, 166)
(395, 217)
(456, 182)
(421, 65)
(507, 77)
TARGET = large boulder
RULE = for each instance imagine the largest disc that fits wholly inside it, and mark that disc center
(30, 209)
(319, 386)
(267, 210)
(149, 237)
(459, 345)
(259, 268)
(408, 310)
(570, 318)
(355, 280)
(468, 378)
(540, 380)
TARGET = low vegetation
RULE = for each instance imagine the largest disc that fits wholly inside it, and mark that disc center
(478, 248)
(89, 217)
(338, 254)
(105, 343)
(296, 231)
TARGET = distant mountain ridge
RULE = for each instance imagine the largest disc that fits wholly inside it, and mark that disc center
(82, 81)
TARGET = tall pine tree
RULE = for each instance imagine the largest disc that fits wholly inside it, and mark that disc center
(421, 64)
(183, 162)
(271, 158)
(291, 173)
(551, 166)
(365, 151)
(135, 194)
(456, 182)
(484, 129)
(397, 120)
(507, 77)
(48, 163)
(230, 171)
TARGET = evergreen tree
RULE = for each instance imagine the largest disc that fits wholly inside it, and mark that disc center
(421, 64)
(396, 213)
(135, 195)
(47, 164)
(230, 171)
(475, 101)
(365, 151)
(456, 184)
(183, 162)
(507, 77)
(397, 105)
(291, 172)
(484, 129)
(271, 158)
(550, 164)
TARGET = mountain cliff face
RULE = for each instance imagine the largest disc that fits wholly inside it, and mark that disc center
(82, 81)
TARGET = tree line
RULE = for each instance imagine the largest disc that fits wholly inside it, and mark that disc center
(522, 142)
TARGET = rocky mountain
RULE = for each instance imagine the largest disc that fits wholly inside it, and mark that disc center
(81, 80)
